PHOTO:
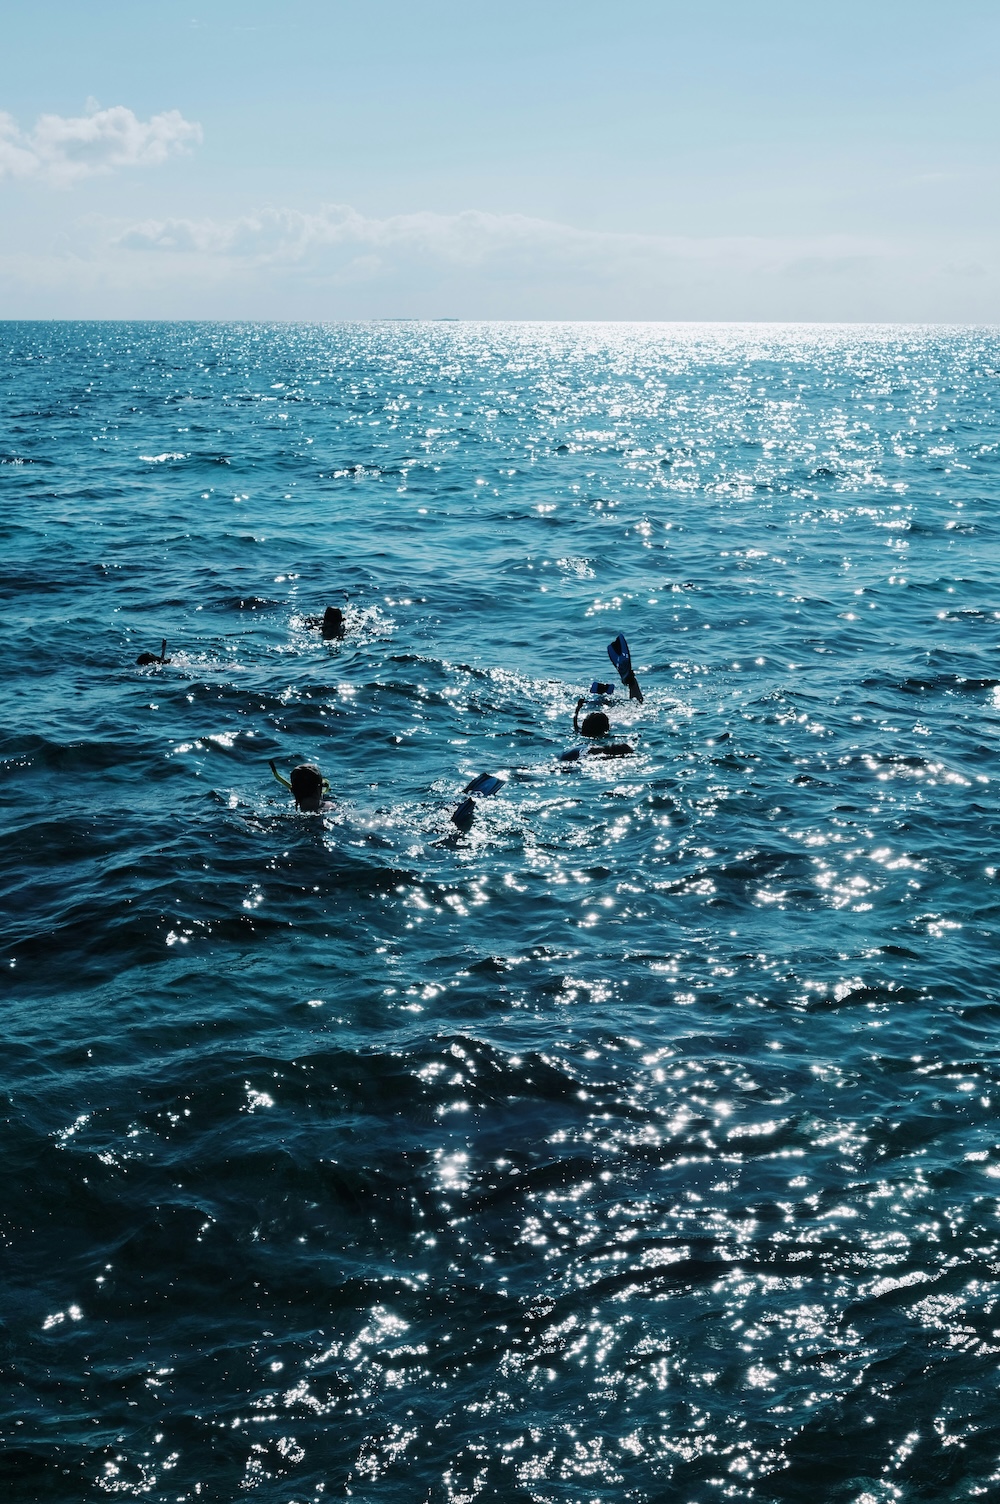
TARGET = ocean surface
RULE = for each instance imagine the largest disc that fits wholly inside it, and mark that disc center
(640, 1145)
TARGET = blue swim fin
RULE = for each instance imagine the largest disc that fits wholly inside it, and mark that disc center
(485, 784)
(464, 815)
(621, 657)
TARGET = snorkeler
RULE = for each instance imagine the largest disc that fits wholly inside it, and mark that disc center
(146, 658)
(622, 659)
(331, 623)
(595, 726)
(307, 786)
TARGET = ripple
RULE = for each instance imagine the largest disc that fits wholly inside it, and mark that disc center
(640, 1142)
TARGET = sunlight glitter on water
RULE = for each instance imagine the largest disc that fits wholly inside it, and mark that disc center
(642, 1141)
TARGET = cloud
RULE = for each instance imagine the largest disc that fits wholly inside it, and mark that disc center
(61, 150)
(431, 259)
(337, 239)
(334, 262)
(290, 235)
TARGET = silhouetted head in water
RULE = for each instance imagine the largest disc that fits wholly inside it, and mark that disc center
(594, 724)
(333, 622)
(144, 659)
(306, 783)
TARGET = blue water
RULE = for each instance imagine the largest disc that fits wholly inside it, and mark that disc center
(640, 1145)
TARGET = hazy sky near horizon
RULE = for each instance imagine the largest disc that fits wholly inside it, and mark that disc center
(721, 160)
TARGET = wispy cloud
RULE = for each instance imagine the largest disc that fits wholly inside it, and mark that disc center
(498, 261)
(337, 240)
(333, 262)
(291, 235)
(63, 149)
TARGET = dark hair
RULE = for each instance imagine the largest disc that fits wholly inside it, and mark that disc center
(595, 724)
(307, 785)
(333, 621)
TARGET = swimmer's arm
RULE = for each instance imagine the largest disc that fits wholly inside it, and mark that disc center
(616, 749)
(576, 714)
(278, 776)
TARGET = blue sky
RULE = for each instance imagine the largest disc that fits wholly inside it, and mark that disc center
(709, 160)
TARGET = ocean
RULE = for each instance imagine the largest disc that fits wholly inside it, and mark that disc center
(638, 1144)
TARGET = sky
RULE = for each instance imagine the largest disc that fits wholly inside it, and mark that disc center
(563, 159)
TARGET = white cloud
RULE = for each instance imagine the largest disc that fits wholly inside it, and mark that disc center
(61, 150)
(500, 261)
(336, 231)
(335, 262)
(338, 240)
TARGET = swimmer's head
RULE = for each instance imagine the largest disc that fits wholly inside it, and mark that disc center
(333, 622)
(307, 786)
(146, 658)
(595, 724)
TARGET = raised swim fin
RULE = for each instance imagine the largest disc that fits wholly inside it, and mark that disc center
(622, 659)
(485, 784)
(464, 815)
